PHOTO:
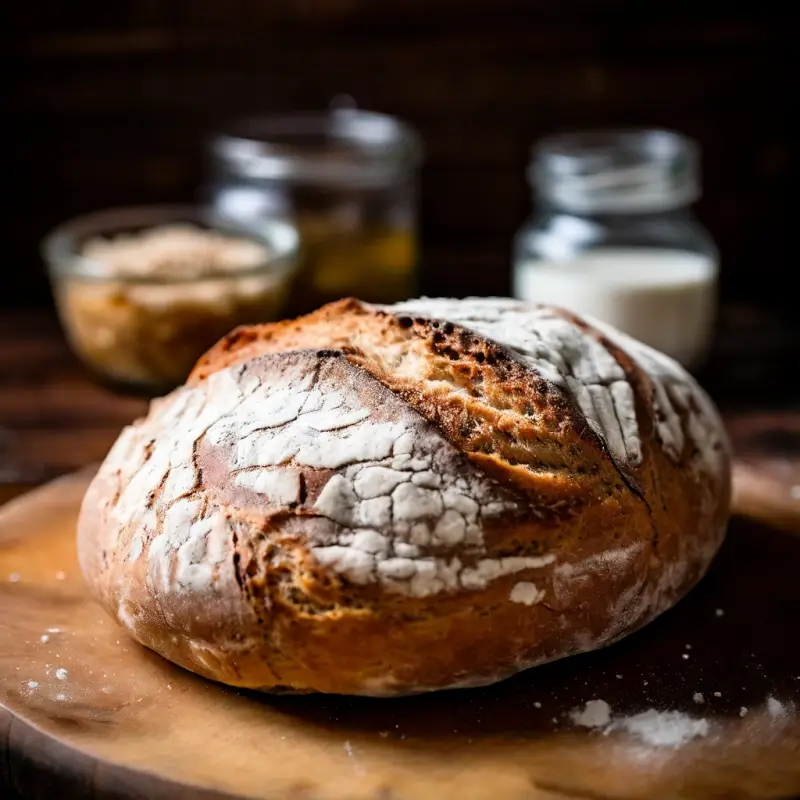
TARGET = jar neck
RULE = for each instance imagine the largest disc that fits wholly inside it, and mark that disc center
(614, 218)
(344, 148)
(616, 172)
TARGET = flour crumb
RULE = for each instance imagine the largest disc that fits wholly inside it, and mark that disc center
(33, 684)
(595, 714)
(54, 630)
(44, 638)
(537, 704)
(383, 734)
(775, 708)
(15, 577)
(717, 694)
(685, 656)
(662, 728)
(62, 674)
(526, 593)
(688, 647)
(743, 711)
(698, 697)
(61, 575)
(720, 612)
(619, 677)
(61, 697)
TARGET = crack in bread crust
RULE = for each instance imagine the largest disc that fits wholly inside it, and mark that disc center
(436, 471)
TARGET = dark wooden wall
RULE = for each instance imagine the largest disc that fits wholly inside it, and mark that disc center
(108, 103)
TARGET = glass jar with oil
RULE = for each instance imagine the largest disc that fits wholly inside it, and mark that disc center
(347, 179)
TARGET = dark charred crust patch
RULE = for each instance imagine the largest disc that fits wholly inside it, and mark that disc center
(238, 337)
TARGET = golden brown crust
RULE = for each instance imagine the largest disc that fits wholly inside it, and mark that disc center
(350, 501)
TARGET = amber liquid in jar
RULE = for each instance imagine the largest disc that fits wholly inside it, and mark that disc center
(376, 264)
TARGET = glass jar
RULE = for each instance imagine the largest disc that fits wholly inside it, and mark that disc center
(614, 237)
(142, 292)
(347, 179)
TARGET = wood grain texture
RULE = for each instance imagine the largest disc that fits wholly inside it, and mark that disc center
(766, 475)
(110, 104)
(125, 724)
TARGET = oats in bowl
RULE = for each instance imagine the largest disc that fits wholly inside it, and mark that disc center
(143, 292)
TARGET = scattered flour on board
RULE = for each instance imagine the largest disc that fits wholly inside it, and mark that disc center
(775, 708)
(662, 728)
(348, 748)
(658, 728)
(595, 714)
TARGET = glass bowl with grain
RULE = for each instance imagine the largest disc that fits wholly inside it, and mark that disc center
(143, 292)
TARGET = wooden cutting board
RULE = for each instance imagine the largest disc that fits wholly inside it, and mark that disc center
(85, 712)
(766, 467)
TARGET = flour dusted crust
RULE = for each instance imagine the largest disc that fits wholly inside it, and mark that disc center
(388, 500)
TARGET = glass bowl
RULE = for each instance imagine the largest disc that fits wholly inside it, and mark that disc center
(143, 292)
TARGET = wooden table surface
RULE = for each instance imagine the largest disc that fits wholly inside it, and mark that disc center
(54, 418)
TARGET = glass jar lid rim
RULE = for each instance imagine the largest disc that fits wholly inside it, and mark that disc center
(343, 144)
(632, 170)
(61, 246)
(568, 150)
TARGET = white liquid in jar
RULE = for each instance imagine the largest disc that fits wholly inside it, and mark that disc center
(664, 298)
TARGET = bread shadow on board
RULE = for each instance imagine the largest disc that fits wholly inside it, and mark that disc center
(733, 640)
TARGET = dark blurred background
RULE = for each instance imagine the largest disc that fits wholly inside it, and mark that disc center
(110, 102)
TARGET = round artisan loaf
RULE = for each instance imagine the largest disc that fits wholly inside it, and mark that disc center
(388, 500)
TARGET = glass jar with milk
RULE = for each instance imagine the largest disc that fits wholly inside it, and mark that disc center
(614, 237)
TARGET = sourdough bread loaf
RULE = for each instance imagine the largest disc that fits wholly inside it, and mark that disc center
(389, 500)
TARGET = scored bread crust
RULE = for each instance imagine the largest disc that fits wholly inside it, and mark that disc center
(389, 500)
